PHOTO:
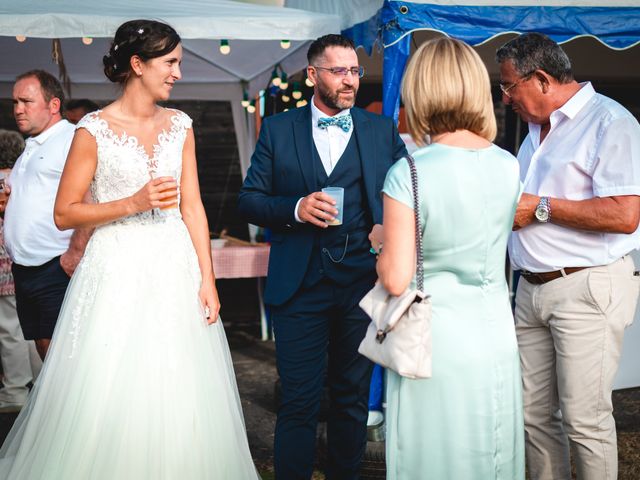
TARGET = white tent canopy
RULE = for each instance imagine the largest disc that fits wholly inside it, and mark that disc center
(205, 19)
(254, 32)
(350, 12)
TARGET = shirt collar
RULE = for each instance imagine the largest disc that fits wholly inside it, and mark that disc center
(569, 110)
(316, 113)
(44, 136)
(578, 101)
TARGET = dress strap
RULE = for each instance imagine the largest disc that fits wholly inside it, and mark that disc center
(181, 119)
(92, 123)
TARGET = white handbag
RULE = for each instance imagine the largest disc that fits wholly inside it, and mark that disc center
(399, 336)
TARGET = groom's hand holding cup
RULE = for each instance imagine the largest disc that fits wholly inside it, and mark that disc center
(318, 208)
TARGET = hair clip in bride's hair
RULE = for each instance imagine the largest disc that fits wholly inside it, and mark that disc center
(141, 31)
(115, 48)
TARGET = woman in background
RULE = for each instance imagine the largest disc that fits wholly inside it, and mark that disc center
(466, 421)
(138, 382)
(20, 360)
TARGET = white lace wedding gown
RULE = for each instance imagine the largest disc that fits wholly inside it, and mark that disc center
(136, 386)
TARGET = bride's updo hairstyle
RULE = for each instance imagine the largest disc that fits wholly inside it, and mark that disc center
(145, 38)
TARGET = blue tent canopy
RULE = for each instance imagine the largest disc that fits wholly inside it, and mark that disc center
(616, 23)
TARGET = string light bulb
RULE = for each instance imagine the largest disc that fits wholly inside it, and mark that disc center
(308, 82)
(285, 98)
(285, 44)
(21, 38)
(225, 48)
(87, 40)
(283, 81)
(252, 107)
(275, 78)
(301, 103)
(296, 93)
(245, 99)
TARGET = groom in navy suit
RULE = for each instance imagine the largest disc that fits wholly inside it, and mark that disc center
(318, 273)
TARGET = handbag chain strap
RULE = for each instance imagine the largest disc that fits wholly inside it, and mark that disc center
(416, 215)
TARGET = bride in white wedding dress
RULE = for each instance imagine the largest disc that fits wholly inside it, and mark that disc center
(138, 382)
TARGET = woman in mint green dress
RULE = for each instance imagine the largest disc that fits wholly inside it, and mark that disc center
(466, 421)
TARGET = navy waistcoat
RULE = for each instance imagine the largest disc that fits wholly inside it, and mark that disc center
(341, 252)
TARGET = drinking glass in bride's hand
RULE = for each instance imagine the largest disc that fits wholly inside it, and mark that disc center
(168, 172)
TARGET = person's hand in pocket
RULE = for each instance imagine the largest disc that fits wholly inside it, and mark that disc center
(69, 262)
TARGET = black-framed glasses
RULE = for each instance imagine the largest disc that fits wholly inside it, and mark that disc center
(343, 71)
(509, 87)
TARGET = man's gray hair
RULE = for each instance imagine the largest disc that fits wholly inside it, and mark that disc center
(534, 51)
(11, 146)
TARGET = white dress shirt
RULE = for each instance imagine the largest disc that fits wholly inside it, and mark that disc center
(30, 234)
(592, 150)
(330, 142)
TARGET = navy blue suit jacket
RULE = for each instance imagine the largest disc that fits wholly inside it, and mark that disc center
(282, 171)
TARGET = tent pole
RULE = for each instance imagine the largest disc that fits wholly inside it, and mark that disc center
(395, 60)
(244, 126)
(246, 141)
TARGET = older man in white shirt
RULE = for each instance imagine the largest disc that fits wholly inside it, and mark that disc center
(575, 225)
(44, 258)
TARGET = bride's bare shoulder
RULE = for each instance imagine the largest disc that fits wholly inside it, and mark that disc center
(116, 119)
(108, 112)
(172, 112)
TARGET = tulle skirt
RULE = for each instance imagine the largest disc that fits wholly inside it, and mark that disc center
(136, 385)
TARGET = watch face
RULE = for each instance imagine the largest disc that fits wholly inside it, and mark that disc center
(542, 214)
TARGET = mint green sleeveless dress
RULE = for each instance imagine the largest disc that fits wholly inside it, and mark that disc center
(465, 422)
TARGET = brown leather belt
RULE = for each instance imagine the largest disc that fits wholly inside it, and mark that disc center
(544, 277)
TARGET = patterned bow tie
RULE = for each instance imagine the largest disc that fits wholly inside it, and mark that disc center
(342, 121)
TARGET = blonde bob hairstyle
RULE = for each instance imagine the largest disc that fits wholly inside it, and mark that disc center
(446, 88)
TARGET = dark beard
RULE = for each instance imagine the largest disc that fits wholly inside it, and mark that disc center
(332, 100)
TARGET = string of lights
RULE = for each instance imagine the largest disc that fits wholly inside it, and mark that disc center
(282, 92)
(282, 89)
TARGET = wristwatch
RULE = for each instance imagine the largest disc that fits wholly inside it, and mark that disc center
(543, 210)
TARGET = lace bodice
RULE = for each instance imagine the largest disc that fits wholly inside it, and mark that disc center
(124, 166)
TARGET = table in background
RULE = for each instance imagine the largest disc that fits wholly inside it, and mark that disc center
(244, 262)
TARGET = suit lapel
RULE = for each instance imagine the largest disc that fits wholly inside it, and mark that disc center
(366, 145)
(302, 139)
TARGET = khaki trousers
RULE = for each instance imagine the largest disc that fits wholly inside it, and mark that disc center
(20, 361)
(570, 333)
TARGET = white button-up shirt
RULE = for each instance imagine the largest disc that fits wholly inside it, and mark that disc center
(592, 150)
(30, 235)
(330, 142)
